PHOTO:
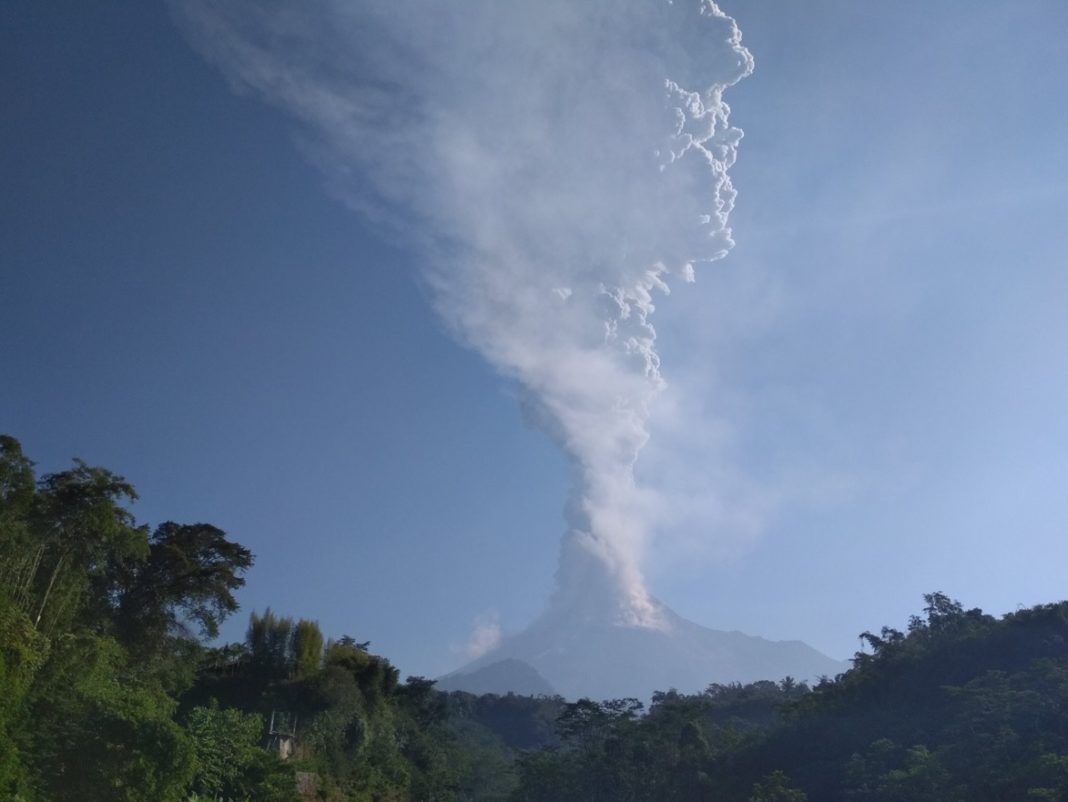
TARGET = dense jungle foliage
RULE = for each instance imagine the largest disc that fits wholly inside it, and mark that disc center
(109, 690)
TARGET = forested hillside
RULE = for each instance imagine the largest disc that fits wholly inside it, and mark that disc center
(110, 690)
(961, 707)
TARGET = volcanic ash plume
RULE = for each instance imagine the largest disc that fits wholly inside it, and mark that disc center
(556, 164)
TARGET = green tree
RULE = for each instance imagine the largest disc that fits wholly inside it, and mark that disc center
(80, 581)
(776, 787)
(93, 733)
(230, 763)
(1052, 774)
(268, 640)
(85, 538)
(307, 648)
(19, 554)
(184, 586)
(23, 651)
(224, 744)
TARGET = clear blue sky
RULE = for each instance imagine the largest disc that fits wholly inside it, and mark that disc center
(871, 386)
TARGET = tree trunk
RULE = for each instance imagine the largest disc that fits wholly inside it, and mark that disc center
(48, 590)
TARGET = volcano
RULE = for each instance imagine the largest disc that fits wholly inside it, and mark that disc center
(582, 648)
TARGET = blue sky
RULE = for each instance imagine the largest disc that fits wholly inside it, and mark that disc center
(865, 398)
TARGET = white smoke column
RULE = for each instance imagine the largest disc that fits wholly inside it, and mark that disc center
(554, 163)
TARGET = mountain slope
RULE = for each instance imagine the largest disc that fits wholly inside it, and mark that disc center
(504, 676)
(583, 650)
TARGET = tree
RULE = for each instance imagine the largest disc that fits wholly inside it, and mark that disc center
(941, 610)
(17, 557)
(230, 764)
(85, 537)
(268, 639)
(16, 475)
(776, 787)
(186, 583)
(23, 651)
(586, 723)
(98, 734)
(307, 648)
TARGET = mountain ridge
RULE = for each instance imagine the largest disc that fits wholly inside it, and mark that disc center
(583, 650)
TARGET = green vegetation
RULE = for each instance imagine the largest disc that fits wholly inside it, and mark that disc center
(962, 707)
(110, 691)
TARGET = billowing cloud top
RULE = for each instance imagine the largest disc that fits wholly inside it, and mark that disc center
(553, 164)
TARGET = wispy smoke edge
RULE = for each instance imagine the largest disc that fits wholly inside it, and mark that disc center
(555, 166)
